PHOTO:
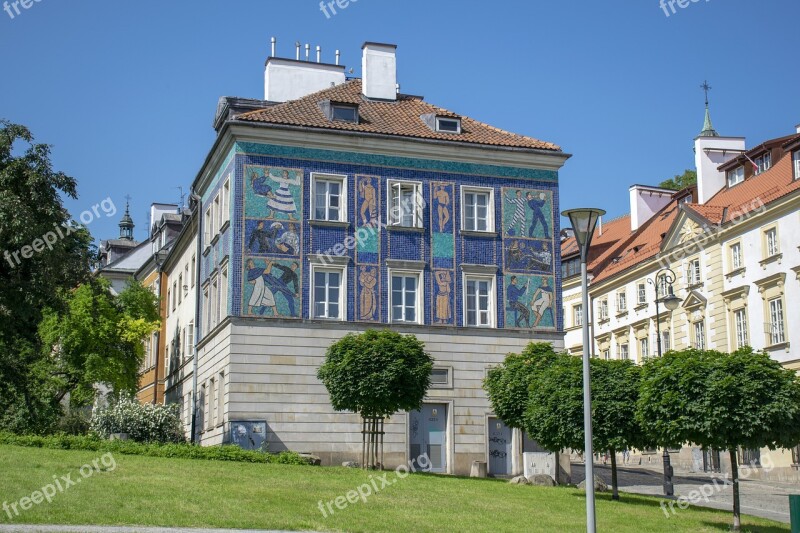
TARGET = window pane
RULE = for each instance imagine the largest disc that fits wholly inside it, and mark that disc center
(333, 310)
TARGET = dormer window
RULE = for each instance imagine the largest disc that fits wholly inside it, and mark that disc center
(448, 125)
(763, 163)
(344, 113)
(796, 161)
(735, 176)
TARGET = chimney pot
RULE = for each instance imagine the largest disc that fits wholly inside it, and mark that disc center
(274, 42)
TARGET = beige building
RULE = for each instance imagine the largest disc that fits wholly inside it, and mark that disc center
(731, 242)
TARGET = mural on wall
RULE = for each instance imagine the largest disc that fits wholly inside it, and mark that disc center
(273, 214)
(368, 282)
(528, 258)
(530, 302)
(272, 287)
(443, 250)
(368, 248)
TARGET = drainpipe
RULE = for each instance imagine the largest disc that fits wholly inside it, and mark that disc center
(158, 333)
(197, 315)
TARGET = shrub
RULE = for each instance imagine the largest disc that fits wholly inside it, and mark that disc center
(74, 423)
(141, 422)
(174, 451)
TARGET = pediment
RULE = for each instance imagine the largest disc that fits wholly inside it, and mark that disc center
(687, 227)
(695, 300)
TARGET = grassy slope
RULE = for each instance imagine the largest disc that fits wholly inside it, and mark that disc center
(179, 492)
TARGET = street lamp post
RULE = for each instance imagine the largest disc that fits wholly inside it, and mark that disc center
(584, 222)
(665, 278)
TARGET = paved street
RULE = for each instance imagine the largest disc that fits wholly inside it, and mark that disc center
(758, 498)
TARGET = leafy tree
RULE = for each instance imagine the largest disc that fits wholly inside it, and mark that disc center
(376, 374)
(681, 181)
(554, 414)
(508, 385)
(98, 338)
(32, 223)
(721, 401)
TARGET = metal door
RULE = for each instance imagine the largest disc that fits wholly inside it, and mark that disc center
(428, 436)
(499, 444)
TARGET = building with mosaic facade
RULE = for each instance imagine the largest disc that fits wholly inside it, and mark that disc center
(337, 205)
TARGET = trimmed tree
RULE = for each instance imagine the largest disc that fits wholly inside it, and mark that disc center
(554, 415)
(376, 374)
(721, 401)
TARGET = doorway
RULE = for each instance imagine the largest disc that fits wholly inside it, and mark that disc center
(428, 436)
(499, 447)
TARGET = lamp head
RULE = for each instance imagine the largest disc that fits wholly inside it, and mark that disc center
(584, 222)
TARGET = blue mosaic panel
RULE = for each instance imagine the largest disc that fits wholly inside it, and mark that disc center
(527, 213)
(443, 295)
(530, 302)
(272, 288)
(273, 193)
(368, 214)
(369, 290)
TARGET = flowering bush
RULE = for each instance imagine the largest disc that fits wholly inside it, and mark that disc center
(141, 422)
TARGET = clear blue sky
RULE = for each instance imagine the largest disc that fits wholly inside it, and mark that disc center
(126, 91)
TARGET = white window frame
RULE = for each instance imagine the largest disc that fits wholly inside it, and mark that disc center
(624, 352)
(740, 324)
(341, 179)
(763, 162)
(394, 189)
(604, 309)
(194, 269)
(226, 201)
(641, 293)
(418, 309)
(644, 348)
(665, 342)
(796, 161)
(206, 309)
(773, 246)
(439, 121)
(342, 271)
(223, 292)
(212, 404)
(699, 329)
(220, 397)
(735, 176)
(577, 315)
(606, 354)
(217, 210)
(777, 321)
(736, 256)
(207, 226)
(491, 311)
(622, 301)
(190, 340)
(490, 214)
(693, 272)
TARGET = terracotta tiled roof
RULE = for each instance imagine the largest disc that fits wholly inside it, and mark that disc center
(401, 118)
(711, 213)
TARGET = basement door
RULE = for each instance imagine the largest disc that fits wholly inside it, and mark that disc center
(428, 436)
(499, 444)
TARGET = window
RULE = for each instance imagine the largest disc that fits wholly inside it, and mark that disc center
(570, 268)
(440, 376)
(665, 344)
(169, 299)
(448, 125)
(203, 414)
(328, 294)
(405, 293)
(641, 293)
(693, 272)
(736, 256)
(174, 294)
(777, 331)
(220, 397)
(187, 409)
(577, 315)
(207, 231)
(407, 206)
(763, 163)
(329, 198)
(214, 302)
(796, 160)
(190, 340)
(477, 211)
(622, 302)
(771, 238)
(206, 311)
(700, 335)
(624, 353)
(180, 288)
(194, 269)
(740, 318)
(644, 347)
(603, 309)
(606, 354)
(212, 405)
(478, 301)
(217, 211)
(735, 176)
(226, 201)
(344, 113)
(223, 293)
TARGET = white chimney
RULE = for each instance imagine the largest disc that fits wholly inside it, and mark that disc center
(290, 79)
(798, 128)
(379, 71)
(709, 154)
(646, 202)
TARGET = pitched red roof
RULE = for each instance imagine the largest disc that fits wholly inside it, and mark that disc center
(402, 118)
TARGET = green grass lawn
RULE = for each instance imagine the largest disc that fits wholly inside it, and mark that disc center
(191, 493)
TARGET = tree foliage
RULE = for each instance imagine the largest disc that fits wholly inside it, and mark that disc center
(377, 373)
(721, 401)
(31, 194)
(680, 181)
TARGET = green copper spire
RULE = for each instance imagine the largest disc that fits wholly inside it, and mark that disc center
(708, 128)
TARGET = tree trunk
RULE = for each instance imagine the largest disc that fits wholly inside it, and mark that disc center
(614, 487)
(737, 521)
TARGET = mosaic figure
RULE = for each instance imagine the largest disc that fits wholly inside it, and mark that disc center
(369, 206)
(289, 241)
(525, 256)
(542, 301)
(444, 307)
(536, 203)
(261, 187)
(282, 200)
(513, 293)
(443, 208)
(262, 298)
(262, 239)
(517, 225)
(368, 281)
(268, 282)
